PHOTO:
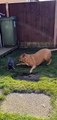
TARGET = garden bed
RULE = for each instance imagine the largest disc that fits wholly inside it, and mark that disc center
(43, 80)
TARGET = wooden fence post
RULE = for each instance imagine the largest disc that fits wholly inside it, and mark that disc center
(55, 25)
(7, 10)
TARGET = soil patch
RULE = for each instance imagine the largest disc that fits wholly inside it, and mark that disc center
(31, 77)
(32, 104)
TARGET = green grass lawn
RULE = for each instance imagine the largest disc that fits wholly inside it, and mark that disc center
(47, 83)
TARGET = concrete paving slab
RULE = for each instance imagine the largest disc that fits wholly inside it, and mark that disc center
(4, 50)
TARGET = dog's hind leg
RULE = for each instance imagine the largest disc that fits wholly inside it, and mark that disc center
(32, 69)
(49, 62)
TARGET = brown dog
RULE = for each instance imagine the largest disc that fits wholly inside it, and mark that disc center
(36, 59)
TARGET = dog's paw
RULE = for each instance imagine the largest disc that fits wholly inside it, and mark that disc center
(30, 71)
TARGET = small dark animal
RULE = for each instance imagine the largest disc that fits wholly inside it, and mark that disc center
(11, 63)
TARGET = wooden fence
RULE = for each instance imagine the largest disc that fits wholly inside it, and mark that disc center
(35, 23)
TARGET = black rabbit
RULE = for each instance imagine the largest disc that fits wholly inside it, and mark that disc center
(11, 63)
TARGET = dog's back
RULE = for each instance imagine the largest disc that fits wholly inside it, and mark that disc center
(41, 56)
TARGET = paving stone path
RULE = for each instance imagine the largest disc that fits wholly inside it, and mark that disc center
(24, 103)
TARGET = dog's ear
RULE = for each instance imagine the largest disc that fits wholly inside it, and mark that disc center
(24, 54)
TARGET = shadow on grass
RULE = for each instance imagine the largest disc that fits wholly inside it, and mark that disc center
(29, 77)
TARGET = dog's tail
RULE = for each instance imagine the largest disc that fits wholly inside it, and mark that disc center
(53, 49)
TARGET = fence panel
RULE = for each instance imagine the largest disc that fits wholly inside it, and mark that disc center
(35, 23)
(2, 8)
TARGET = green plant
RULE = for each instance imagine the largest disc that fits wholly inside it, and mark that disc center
(2, 97)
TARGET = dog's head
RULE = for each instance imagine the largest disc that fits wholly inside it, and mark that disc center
(23, 57)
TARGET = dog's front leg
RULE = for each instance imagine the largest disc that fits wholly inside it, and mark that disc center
(32, 69)
(20, 64)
